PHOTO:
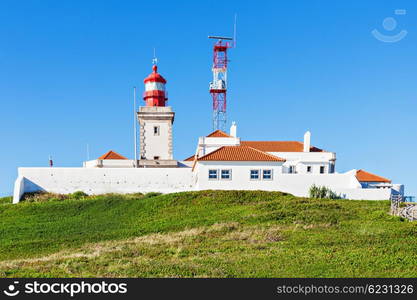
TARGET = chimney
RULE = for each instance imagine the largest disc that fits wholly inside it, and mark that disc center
(233, 130)
(307, 141)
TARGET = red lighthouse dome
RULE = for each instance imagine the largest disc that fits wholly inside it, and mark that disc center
(155, 89)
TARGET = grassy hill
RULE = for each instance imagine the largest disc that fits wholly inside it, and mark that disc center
(204, 234)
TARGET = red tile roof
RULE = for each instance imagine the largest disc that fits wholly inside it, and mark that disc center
(267, 146)
(218, 133)
(364, 176)
(239, 153)
(191, 158)
(279, 146)
(112, 155)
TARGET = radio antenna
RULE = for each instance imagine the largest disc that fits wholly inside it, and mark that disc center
(135, 135)
(234, 32)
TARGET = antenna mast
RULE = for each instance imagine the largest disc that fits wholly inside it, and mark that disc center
(134, 128)
(218, 87)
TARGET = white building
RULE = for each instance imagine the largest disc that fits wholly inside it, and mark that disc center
(220, 161)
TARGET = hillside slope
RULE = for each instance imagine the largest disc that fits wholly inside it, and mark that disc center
(205, 234)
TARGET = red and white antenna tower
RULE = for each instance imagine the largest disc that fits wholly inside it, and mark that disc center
(218, 87)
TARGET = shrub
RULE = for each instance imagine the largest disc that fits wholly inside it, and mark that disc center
(42, 196)
(322, 192)
(152, 194)
(77, 195)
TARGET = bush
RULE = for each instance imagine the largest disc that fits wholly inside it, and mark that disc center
(42, 196)
(77, 195)
(152, 194)
(322, 192)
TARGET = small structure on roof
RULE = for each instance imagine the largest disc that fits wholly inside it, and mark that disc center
(111, 155)
(110, 159)
(218, 133)
(370, 180)
(368, 177)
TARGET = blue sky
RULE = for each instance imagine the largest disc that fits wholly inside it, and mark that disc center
(67, 69)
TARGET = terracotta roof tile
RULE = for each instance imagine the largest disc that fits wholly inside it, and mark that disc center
(191, 158)
(364, 176)
(218, 133)
(266, 146)
(112, 155)
(239, 153)
(278, 146)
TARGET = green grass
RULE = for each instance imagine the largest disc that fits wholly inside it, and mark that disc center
(6, 200)
(204, 234)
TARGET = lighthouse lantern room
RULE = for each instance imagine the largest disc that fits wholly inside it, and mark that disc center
(154, 94)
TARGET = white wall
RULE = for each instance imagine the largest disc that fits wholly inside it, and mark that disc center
(240, 175)
(152, 145)
(103, 180)
(169, 180)
(301, 167)
(157, 145)
(303, 159)
(366, 194)
(207, 145)
(19, 188)
(344, 184)
(306, 156)
(109, 163)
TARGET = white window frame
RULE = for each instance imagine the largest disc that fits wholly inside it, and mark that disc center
(217, 174)
(250, 174)
(263, 175)
(229, 174)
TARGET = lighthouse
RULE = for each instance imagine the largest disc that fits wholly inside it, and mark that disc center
(155, 119)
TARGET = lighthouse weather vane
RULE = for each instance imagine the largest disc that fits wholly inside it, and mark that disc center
(154, 59)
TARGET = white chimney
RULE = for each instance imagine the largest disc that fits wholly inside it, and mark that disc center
(233, 130)
(307, 141)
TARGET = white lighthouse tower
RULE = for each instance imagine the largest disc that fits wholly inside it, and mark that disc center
(155, 121)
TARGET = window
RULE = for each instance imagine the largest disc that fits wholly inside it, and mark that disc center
(156, 157)
(291, 169)
(254, 174)
(308, 169)
(213, 174)
(226, 174)
(331, 168)
(266, 174)
(321, 169)
(156, 130)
